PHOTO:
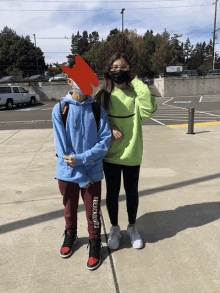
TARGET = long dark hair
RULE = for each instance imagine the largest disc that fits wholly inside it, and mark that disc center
(108, 86)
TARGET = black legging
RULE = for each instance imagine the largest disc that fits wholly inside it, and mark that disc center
(113, 185)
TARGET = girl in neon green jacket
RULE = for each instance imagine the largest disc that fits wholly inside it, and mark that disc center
(127, 101)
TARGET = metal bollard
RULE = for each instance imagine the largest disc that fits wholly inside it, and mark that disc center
(191, 121)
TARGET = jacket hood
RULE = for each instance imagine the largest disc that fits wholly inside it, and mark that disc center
(68, 98)
(81, 108)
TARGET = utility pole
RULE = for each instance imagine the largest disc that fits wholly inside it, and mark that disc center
(214, 36)
(36, 55)
(122, 12)
(214, 50)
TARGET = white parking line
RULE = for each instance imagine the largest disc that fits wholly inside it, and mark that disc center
(186, 119)
(168, 101)
(33, 109)
(31, 121)
(187, 109)
(184, 114)
(200, 99)
(28, 109)
(208, 113)
(157, 121)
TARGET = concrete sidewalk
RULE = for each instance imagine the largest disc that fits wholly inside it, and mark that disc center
(178, 218)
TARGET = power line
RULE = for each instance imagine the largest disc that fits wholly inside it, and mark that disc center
(186, 34)
(53, 38)
(71, 37)
(69, 10)
(90, 1)
(206, 32)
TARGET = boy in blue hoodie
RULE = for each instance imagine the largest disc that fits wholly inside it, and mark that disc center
(80, 151)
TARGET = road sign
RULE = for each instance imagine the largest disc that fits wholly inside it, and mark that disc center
(174, 68)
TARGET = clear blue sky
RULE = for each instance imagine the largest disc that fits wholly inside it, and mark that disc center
(194, 21)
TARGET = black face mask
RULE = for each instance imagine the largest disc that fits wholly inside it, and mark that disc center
(120, 76)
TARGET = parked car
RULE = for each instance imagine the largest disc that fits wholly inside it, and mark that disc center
(61, 76)
(149, 81)
(191, 72)
(10, 78)
(40, 77)
(15, 95)
(214, 72)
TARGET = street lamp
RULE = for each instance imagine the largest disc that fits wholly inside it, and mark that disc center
(122, 12)
(36, 55)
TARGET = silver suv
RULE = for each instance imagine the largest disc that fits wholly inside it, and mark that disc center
(15, 95)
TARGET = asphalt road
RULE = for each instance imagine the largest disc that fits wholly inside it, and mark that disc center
(170, 112)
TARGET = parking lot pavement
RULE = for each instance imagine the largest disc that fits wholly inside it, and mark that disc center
(170, 112)
(178, 218)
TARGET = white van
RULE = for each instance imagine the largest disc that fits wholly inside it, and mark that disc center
(15, 95)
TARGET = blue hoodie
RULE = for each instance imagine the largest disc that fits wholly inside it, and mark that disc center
(80, 139)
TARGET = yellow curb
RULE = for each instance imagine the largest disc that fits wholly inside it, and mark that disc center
(196, 124)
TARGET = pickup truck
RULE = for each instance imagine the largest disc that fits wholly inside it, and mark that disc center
(15, 95)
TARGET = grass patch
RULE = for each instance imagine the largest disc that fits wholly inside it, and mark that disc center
(54, 100)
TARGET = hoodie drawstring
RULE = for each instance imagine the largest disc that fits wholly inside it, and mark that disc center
(83, 131)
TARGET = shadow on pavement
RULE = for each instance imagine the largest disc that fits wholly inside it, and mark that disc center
(60, 213)
(202, 132)
(165, 224)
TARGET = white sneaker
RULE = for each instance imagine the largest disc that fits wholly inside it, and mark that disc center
(114, 236)
(135, 237)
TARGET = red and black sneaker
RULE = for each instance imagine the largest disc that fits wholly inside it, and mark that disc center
(69, 241)
(94, 260)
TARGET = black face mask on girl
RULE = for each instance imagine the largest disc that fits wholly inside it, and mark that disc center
(120, 76)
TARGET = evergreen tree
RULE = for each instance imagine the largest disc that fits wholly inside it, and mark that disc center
(188, 51)
(93, 39)
(18, 55)
(113, 33)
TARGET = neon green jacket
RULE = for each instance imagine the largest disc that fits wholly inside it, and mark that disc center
(138, 103)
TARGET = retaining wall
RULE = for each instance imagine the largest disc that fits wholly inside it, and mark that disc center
(167, 87)
(47, 90)
(188, 86)
(44, 90)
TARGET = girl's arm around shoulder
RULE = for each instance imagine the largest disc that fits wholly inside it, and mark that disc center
(146, 102)
(100, 149)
